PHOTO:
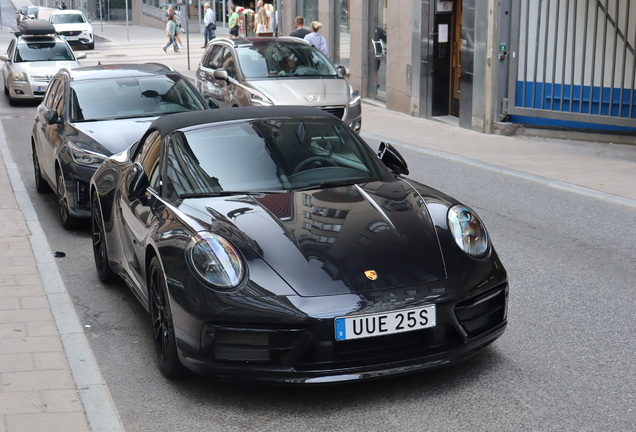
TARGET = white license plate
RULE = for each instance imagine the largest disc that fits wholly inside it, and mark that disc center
(380, 324)
(70, 38)
(42, 88)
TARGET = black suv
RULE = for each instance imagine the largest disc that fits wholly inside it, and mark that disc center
(91, 113)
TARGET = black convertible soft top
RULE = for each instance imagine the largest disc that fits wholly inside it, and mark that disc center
(171, 122)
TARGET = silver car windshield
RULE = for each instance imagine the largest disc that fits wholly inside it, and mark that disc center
(268, 155)
(67, 19)
(283, 60)
(127, 97)
(43, 51)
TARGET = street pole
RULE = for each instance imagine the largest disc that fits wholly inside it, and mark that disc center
(188, 31)
(101, 17)
(127, 33)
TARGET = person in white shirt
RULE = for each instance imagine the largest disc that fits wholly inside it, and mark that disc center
(209, 25)
(315, 39)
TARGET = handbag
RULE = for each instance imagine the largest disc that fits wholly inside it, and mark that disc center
(212, 26)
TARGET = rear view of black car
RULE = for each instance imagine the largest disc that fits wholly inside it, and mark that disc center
(273, 245)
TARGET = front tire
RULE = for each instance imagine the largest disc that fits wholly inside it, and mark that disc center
(40, 184)
(162, 326)
(91, 45)
(102, 262)
(68, 222)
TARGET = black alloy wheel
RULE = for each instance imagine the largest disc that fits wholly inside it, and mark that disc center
(162, 326)
(68, 222)
(100, 252)
(40, 184)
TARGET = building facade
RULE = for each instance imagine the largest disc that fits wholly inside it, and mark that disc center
(487, 65)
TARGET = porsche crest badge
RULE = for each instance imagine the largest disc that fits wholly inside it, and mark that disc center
(371, 274)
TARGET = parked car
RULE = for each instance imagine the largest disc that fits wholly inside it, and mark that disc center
(34, 55)
(272, 244)
(25, 13)
(73, 26)
(276, 71)
(90, 113)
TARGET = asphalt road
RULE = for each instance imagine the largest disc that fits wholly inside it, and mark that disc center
(566, 361)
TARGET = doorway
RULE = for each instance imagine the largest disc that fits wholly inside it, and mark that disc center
(447, 62)
(377, 50)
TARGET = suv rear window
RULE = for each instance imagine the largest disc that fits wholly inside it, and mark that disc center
(43, 51)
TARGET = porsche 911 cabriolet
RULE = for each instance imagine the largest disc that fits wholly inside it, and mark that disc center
(274, 245)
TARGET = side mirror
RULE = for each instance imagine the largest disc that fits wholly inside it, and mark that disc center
(80, 55)
(342, 71)
(212, 103)
(137, 181)
(51, 117)
(220, 74)
(392, 159)
(4, 57)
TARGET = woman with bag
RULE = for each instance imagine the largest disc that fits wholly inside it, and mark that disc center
(171, 29)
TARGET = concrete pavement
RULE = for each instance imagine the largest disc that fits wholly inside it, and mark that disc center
(49, 380)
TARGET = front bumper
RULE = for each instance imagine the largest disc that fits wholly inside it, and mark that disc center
(27, 90)
(306, 352)
(77, 179)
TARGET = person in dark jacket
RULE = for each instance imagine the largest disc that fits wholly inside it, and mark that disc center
(300, 31)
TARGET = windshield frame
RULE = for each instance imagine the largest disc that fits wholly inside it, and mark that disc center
(189, 99)
(309, 61)
(188, 146)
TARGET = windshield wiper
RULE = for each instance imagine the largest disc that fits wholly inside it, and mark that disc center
(329, 184)
(227, 193)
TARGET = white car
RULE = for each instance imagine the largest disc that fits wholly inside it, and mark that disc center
(73, 26)
(34, 55)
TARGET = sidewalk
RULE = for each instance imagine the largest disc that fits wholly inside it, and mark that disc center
(49, 380)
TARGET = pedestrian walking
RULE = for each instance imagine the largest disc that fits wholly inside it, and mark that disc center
(260, 20)
(209, 23)
(315, 39)
(233, 23)
(300, 31)
(171, 28)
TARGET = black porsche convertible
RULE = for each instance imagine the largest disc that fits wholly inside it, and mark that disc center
(273, 244)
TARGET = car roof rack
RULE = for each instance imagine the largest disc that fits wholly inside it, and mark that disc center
(36, 27)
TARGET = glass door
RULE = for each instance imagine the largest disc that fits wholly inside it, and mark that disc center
(343, 40)
(377, 49)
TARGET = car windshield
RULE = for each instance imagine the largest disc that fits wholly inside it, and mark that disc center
(67, 19)
(277, 59)
(127, 97)
(270, 155)
(43, 51)
(31, 10)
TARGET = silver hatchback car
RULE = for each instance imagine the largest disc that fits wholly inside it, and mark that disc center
(276, 71)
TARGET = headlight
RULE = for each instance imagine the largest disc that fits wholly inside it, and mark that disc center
(259, 98)
(354, 95)
(468, 231)
(215, 260)
(18, 76)
(85, 157)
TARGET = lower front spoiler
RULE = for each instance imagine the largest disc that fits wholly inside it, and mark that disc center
(333, 376)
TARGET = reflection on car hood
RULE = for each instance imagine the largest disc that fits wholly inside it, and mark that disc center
(115, 135)
(41, 68)
(299, 91)
(322, 242)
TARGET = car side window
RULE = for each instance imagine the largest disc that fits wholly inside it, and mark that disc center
(49, 99)
(229, 63)
(214, 50)
(149, 157)
(217, 57)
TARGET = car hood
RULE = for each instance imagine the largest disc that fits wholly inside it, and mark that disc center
(335, 241)
(43, 68)
(113, 136)
(300, 91)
